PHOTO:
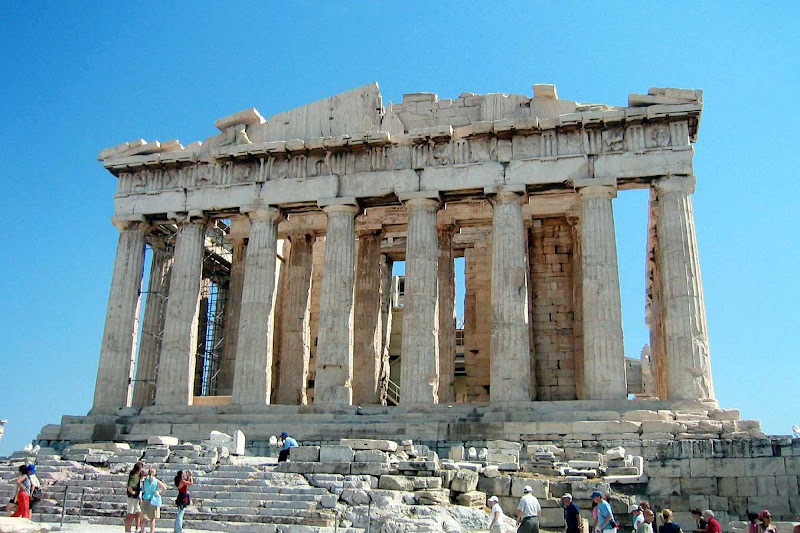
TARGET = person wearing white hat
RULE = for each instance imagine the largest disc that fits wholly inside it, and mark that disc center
(497, 520)
(528, 512)
(572, 515)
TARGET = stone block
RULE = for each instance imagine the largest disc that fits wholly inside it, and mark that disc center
(432, 497)
(456, 453)
(503, 445)
(644, 415)
(336, 454)
(239, 443)
(369, 469)
(765, 466)
(551, 518)
(540, 487)
(427, 482)
(332, 468)
(728, 486)
(724, 414)
(471, 499)
(792, 465)
(370, 456)
(370, 444)
(662, 426)
(747, 486)
(495, 486)
(389, 482)
(663, 486)
(699, 485)
(159, 439)
(464, 481)
(305, 454)
(496, 457)
(725, 467)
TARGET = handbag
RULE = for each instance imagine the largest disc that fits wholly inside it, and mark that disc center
(156, 501)
(36, 495)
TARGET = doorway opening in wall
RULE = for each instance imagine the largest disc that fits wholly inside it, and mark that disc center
(460, 378)
(396, 294)
(631, 226)
(217, 259)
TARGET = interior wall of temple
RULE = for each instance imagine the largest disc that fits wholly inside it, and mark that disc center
(551, 249)
(478, 320)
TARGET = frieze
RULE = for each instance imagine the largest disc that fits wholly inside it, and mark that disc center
(364, 158)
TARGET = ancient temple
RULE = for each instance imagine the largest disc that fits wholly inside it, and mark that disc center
(269, 251)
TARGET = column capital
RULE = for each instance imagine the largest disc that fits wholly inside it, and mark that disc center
(301, 235)
(261, 212)
(184, 217)
(341, 208)
(682, 184)
(339, 205)
(129, 222)
(598, 191)
(421, 199)
(506, 193)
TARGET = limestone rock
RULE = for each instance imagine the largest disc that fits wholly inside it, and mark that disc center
(370, 444)
(471, 499)
(336, 454)
(395, 483)
(305, 454)
(432, 497)
(21, 525)
(169, 441)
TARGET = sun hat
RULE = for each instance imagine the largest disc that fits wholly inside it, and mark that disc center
(527, 489)
(597, 494)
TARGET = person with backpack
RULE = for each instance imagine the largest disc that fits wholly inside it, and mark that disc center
(183, 480)
(605, 516)
(24, 490)
(36, 492)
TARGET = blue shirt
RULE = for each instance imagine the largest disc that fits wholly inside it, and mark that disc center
(289, 443)
(571, 513)
(603, 512)
(149, 488)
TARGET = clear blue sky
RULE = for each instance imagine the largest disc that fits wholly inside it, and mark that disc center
(81, 76)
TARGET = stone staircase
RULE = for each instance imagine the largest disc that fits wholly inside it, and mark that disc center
(225, 497)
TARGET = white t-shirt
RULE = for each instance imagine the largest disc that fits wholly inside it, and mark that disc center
(529, 506)
(497, 512)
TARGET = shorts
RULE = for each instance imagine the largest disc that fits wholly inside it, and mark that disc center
(150, 511)
(133, 506)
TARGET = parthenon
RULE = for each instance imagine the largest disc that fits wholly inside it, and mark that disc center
(288, 228)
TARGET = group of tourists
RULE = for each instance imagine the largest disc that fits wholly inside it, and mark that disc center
(602, 519)
(27, 492)
(144, 497)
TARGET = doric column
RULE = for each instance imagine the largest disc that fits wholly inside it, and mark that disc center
(367, 342)
(295, 348)
(240, 228)
(152, 324)
(603, 348)
(176, 367)
(683, 307)
(511, 338)
(334, 373)
(252, 377)
(419, 360)
(115, 369)
(447, 315)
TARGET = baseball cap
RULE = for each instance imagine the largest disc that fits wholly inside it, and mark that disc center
(597, 494)
(494, 499)
(567, 495)
(284, 434)
(31, 469)
(634, 509)
(527, 488)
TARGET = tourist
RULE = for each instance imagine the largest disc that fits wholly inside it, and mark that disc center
(644, 505)
(36, 491)
(766, 526)
(712, 524)
(134, 494)
(605, 516)
(572, 515)
(151, 498)
(697, 514)
(594, 516)
(528, 512)
(752, 519)
(24, 487)
(183, 480)
(497, 520)
(288, 443)
(669, 526)
(637, 516)
(646, 524)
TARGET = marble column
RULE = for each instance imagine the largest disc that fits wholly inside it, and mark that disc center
(295, 350)
(252, 376)
(603, 348)
(683, 306)
(152, 325)
(176, 369)
(334, 372)
(447, 315)
(115, 369)
(511, 338)
(237, 238)
(419, 360)
(367, 342)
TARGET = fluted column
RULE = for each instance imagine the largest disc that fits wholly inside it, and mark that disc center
(511, 338)
(367, 342)
(152, 325)
(176, 368)
(252, 376)
(419, 360)
(683, 305)
(240, 228)
(115, 369)
(447, 315)
(295, 348)
(603, 348)
(334, 372)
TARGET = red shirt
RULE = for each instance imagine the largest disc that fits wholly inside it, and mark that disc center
(713, 526)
